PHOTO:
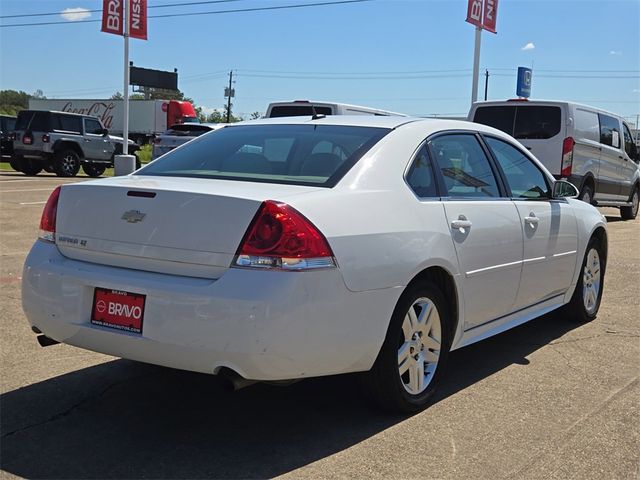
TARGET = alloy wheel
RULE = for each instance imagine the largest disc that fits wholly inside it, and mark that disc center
(420, 344)
(591, 281)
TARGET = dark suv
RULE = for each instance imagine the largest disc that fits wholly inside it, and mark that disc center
(62, 142)
(7, 125)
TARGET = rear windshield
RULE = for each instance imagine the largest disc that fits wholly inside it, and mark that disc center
(33, 120)
(522, 122)
(188, 130)
(8, 124)
(291, 154)
(298, 111)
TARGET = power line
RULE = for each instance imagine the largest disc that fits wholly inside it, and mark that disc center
(173, 15)
(100, 10)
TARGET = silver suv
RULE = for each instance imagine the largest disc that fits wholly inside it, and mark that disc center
(63, 142)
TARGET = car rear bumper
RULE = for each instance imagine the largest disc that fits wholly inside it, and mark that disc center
(264, 325)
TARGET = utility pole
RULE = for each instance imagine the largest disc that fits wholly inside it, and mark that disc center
(486, 84)
(229, 93)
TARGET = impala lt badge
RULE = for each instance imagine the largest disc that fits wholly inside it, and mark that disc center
(133, 216)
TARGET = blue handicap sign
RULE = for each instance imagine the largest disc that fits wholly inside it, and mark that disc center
(523, 89)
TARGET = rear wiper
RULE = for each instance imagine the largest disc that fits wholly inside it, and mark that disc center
(315, 115)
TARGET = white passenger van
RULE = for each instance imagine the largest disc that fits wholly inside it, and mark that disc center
(299, 108)
(592, 148)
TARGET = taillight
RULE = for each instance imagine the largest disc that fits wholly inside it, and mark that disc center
(567, 156)
(27, 139)
(281, 237)
(46, 138)
(48, 220)
(157, 140)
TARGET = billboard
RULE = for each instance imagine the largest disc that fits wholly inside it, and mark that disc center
(145, 77)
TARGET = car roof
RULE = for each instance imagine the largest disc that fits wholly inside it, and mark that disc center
(517, 103)
(430, 125)
(343, 120)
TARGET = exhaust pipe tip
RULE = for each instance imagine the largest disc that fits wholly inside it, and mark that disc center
(45, 341)
(233, 381)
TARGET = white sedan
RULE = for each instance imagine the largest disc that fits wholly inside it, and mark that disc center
(290, 248)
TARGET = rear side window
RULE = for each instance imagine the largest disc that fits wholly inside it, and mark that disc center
(609, 130)
(297, 111)
(271, 153)
(587, 125)
(537, 122)
(420, 177)
(501, 118)
(68, 123)
(464, 166)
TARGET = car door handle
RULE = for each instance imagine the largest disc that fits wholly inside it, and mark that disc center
(87, 140)
(461, 223)
(532, 220)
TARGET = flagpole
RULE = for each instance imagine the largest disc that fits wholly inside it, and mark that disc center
(125, 122)
(476, 65)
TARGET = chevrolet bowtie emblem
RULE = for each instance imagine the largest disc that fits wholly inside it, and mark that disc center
(133, 216)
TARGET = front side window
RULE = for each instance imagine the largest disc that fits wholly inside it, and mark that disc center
(523, 176)
(609, 130)
(290, 154)
(420, 176)
(92, 127)
(464, 166)
(629, 145)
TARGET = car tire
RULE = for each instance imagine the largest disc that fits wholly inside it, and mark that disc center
(67, 163)
(414, 354)
(585, 302)
(14, 162)
(93, 170)
(586, 195)
(629, 213)
(30, 167)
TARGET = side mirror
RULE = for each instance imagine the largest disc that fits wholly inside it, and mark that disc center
(564, 189)
(105, 132)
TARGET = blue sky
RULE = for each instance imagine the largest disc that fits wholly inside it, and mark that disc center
(411, 56)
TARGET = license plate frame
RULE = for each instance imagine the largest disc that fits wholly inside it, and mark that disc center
(118, 309)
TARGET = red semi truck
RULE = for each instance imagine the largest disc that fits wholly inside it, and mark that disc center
(147, 118)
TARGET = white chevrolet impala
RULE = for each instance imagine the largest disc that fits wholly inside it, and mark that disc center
(298, 247)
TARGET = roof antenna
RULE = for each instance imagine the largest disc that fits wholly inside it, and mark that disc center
(314, 113)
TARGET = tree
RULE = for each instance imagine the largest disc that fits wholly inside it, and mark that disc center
(255, 116)
(12, 101)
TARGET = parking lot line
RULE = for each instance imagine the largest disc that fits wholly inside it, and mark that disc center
(33, 203)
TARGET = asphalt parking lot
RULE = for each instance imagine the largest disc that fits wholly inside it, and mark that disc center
(550, 399)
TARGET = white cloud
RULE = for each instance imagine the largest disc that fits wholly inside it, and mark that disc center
(615, 52)
(528, 46)
(75, 14)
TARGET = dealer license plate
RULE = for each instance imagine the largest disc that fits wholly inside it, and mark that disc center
(118, 309)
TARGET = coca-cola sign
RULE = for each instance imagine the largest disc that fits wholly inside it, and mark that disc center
(102, 110)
